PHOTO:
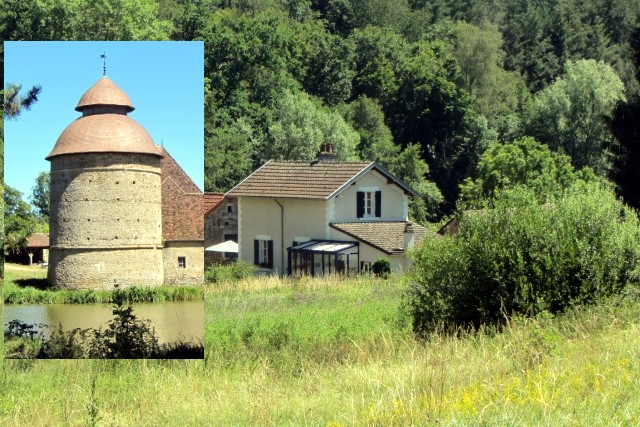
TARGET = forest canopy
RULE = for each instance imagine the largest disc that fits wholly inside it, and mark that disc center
(425, 87)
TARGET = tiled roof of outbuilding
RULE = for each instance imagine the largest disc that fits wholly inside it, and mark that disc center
(212, 201)
(388, 236)
(304, 180)
(104, 92)
(182, 202)
(38, 240)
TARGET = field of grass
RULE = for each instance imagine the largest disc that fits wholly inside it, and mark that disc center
(325, 352)
(28, 285)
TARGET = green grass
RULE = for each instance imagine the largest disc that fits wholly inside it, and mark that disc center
(337, 353)
(29, 286)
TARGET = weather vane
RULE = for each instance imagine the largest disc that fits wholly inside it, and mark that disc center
(104, 63)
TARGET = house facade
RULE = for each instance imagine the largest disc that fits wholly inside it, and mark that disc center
(324, 217)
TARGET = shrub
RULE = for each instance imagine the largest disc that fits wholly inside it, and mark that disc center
(228, 273)
(520, 257)
(381, 268)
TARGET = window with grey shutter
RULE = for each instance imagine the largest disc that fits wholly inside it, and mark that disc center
(360, 204)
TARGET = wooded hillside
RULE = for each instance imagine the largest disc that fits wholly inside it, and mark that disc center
(422, 86)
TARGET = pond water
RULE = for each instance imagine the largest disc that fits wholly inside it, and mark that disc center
(173, 321)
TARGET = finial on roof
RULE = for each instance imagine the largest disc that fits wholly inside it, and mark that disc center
(104, 63)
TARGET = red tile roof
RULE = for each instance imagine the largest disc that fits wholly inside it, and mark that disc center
(212, 201)
(182, 202)
(38, 240)
(388, 236)
(304, 180)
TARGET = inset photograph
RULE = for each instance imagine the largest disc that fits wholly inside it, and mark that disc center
(103, 202)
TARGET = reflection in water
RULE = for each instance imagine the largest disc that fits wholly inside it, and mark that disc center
(182, 320)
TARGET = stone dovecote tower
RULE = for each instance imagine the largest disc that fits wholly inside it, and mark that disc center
(106, 219)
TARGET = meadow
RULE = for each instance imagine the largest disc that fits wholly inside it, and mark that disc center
(331, 352)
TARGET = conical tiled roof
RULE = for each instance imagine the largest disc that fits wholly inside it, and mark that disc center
(105, 92)
(104, 126)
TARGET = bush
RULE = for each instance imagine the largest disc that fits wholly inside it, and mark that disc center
(520, 257)
(381, 268)
(229, 273)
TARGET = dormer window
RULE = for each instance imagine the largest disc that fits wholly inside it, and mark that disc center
(369, 203)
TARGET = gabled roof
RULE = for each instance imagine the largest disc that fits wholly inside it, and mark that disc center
(182, 202)
(212, 201)
(38, 240)
(307, 180)
(170, 169)
(388, 236)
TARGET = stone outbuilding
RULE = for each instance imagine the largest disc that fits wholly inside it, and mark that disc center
(220, 225)
(106, 224)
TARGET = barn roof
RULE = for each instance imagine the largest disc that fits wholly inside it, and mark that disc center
(182, 202)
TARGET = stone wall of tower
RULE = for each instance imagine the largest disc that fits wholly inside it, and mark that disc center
(106, 225)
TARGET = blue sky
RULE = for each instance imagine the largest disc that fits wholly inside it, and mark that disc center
(164, 80)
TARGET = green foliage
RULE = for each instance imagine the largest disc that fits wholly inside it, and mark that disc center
(19, 221)
(41, 195)
(376, 141)
(83, 20)
(239, 270)
(494, 91)
(525, 162)
(522, 257)
(381, 268)
(15, 103)
(572, 114)
(126, 336)
(227, 154)
(299, 126)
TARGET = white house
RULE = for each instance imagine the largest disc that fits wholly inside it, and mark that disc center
(324, 216)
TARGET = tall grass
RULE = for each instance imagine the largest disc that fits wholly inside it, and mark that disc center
(30, 287)
(579, 368)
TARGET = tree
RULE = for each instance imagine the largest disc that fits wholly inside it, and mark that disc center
(376, 141)
(410, 167)
(573, 113)
(525, 162)
(41, 195)
(300, 125)
(523, 258)
(20, 222)
(117, 20)
(493, 91)
(15, 103)
(228, 152)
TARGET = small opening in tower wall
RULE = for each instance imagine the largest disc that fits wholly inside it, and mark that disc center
(182, 262)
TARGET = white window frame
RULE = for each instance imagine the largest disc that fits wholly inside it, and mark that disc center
(369, 201)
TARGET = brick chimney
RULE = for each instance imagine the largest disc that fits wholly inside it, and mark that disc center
(326, 153)
(409, 240)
